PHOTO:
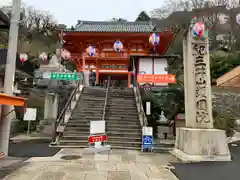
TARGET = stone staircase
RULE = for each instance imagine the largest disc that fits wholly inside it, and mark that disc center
(122, 121)
(88, 108)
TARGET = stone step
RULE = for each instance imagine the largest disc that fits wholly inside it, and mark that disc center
(124, 139)
(121, 112)
(87, 106)
(72, 137)
(124, 134)
(89, 111)
(121, 97)
(122, 115)
(93, 108)
(122, 122)
(124, 145)
(84, 117)
(123, 100)
(75, 126)
(92, 98)
(127, 103)
(78, 123)
(87, 114)
(123, 126)
(120, 106)
(123, 130)
(132, 118)
(76, 132)
(73, 143)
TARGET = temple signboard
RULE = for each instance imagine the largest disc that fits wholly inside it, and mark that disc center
(156, 78)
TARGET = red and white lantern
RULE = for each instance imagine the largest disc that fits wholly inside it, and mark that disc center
(23, 57)
(118, 46)
(65, 54)
(91, 51)
(154, 39)
(43, 56)
(198, 29)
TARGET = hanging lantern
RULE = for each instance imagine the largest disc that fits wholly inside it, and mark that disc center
(43, 56)
(118, 46)
(91, 51)
(154, 39)
(65, 54)
(23, 57)
(238, 18)
(198, 29)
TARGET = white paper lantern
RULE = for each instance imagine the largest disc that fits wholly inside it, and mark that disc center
(65, 54)
(23, 57)
(154, 39)
(118, 46)
(43, 56)
(91, 51)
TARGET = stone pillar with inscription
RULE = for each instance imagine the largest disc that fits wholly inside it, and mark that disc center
(199, 141)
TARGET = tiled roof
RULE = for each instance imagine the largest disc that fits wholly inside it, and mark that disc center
(4, 18)
(110, 26)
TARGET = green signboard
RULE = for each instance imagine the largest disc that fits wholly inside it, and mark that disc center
(64, 76)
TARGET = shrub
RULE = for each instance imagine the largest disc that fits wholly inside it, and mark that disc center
(224, 121)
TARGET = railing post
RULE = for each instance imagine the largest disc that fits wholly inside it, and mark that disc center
(54, 129)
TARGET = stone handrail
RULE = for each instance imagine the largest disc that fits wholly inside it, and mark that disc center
(106, 99)
(141, 113)
(68, 106)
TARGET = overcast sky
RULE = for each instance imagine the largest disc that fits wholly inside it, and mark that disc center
(69, 11)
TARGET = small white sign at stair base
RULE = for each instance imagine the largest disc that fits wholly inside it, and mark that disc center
(147, 131)
(148, 108)
(97, 127)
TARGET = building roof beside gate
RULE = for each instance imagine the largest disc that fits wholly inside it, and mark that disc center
(112, 26)
(230, 79)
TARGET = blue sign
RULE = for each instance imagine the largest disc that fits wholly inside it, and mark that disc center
(147, 141)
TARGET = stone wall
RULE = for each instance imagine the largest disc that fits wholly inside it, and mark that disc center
(226, 100)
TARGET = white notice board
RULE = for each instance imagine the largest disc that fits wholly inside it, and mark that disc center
(148, 108)
(30, 115)
(147, 131)
(97, 127)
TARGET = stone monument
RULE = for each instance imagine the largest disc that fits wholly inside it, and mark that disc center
(199, 141)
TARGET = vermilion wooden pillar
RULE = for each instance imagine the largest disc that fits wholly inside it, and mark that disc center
(129, 79)
(83, 63)
(97, 72)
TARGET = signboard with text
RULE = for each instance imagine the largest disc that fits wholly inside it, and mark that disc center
(64, 76)
(114, 66)
(156, 78)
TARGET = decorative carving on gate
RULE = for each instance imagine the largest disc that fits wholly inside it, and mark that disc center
(200, 69)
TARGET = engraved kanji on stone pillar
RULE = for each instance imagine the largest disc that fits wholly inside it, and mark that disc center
(202, 83)
(198, 85)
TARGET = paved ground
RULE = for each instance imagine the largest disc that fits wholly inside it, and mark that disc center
(31, 148)
(211, 170)
(115, 165)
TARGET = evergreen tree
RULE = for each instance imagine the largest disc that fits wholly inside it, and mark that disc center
(143, 17)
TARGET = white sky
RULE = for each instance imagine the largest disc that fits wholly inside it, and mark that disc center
(69, 11)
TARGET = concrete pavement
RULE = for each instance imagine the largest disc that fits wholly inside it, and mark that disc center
(114, 165)
(211, 170)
